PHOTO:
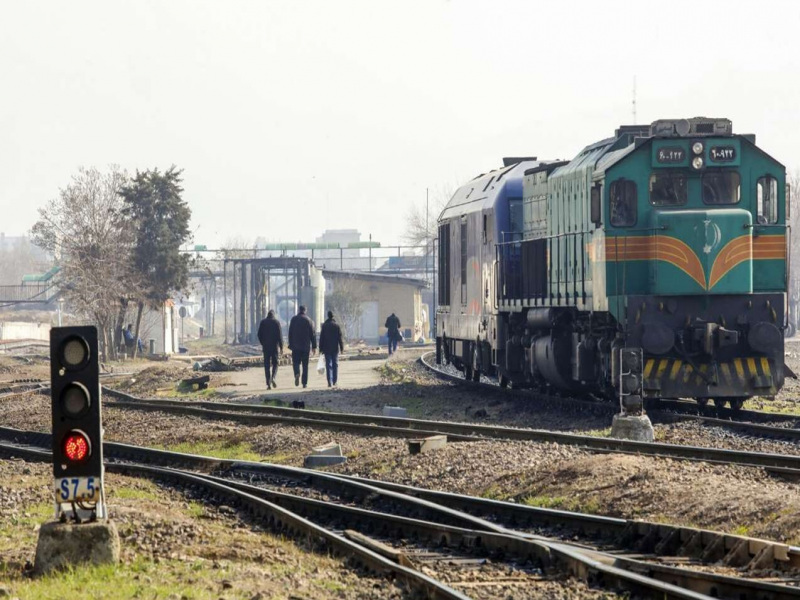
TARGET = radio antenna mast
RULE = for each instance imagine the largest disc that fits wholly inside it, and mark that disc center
(633, 103)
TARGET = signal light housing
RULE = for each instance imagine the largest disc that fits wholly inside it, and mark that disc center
(75, 388)
(630, 380)
(74, 353)
(75, 400)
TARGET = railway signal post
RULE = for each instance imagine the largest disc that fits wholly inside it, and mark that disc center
(81, 531)
(77, 427)
(631, 423)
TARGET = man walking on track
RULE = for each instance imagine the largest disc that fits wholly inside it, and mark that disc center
(392, 332)
(302, 340)
(271, 338)
(330, 343)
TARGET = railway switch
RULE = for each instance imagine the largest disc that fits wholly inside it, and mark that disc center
(77, 426)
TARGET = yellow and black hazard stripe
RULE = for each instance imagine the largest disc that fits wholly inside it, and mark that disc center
(740, 373)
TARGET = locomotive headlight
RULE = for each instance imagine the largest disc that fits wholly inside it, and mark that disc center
(697, 162)
(697, 147)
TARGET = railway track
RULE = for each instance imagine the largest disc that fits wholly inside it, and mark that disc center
(378, 539)
(276, 517)
(21, 387)
(788, 465)
(749, 421)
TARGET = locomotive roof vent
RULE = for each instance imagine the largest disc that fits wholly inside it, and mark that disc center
(697, 126)
(632, 130)
(513, 160)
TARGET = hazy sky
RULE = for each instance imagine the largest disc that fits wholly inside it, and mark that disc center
(292, 117)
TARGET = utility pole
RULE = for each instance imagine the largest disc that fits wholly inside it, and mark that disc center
(633, 104)
(427, 241)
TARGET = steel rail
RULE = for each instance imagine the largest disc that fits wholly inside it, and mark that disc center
(587, 565)
(744, 420)
(277, 517)
(509, 513)
(406, 427)
(759, 429)
(635, 533)
(666, 406)
(693, 409)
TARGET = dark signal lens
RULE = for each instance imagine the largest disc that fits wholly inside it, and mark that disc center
(74, 353)
(76, 446)
(75, 400)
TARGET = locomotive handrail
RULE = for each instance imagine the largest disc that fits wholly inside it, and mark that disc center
(770, 225)
(547, 237)
(637, 230)
(589, 232)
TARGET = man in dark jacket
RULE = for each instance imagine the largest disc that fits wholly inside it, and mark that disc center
(302, 340)
(271, 338)
(392, 332)
(330, 343)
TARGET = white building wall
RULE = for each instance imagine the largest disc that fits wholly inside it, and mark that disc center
(18, 330)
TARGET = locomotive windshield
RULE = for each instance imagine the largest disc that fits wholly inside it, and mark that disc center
(622, 200)
(721, 187)
(515, 217)
(668, 189)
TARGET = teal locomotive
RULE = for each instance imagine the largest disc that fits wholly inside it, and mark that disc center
(652, 265)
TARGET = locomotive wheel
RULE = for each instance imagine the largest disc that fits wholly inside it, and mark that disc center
(737, 403)
(720, 402)
(702, 401)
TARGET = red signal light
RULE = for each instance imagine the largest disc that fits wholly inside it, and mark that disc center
(76, 446)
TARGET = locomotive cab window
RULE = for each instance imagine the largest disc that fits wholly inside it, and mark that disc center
(721, 187)
(622, 203)
(767, 196)
(668, 189)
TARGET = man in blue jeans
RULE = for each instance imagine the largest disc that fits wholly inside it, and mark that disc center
(392, 332)
(330, 343)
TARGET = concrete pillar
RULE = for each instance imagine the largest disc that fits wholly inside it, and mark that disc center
(64, 545)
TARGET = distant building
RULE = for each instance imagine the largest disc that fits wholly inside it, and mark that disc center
(343, 258)
(379, 296)
(340, 249)
(17, 330)
(161, 326)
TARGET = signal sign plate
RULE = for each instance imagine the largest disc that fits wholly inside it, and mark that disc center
(78, 489)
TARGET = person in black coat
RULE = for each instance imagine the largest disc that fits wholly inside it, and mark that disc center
(302, 340)
(330, 343)
(271, 338)
(392, 332)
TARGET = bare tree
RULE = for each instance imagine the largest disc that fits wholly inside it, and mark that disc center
(83, 228)
(237, 247)
(420, 224)
(346, 301)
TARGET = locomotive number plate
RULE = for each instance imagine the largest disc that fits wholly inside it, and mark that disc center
(78, 489)
(722, 153)
(670, 155)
